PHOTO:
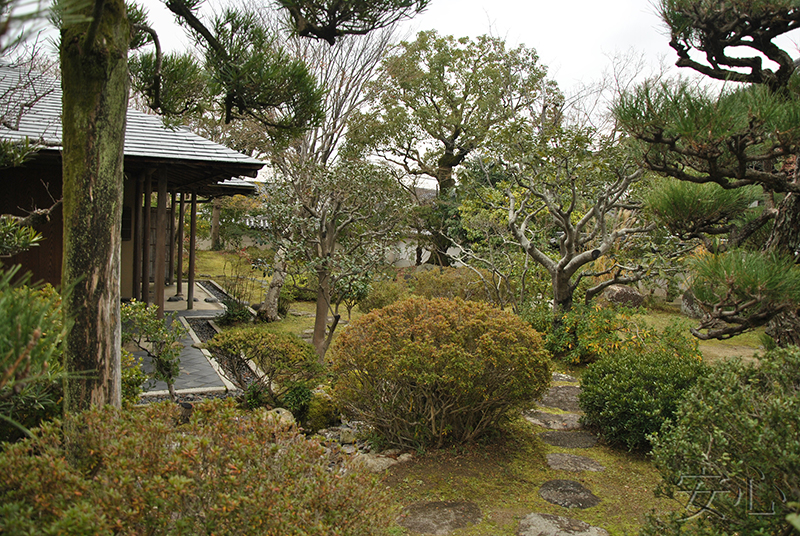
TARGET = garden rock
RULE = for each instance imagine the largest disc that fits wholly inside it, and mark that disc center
(623, 295)
(439, 518)
(563, 397)
(571, 462)
(690, 307)
(554, 421)
(568, 493)
(558, 377)
(378, 463)
(570, 440)
(281, 415)
(550, 525)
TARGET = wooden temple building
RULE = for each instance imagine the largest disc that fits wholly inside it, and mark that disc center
(166, 170)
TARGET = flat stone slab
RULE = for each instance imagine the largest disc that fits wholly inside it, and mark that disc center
(552, 421)
(563, 397)
(558, 377)
(550, 525)
(568, 493)
(439, 518)
(571, 462)
(569, 439)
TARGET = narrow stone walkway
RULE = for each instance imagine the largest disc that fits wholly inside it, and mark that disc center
(559, 413)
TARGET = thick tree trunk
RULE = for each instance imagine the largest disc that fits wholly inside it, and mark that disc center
(562, 298)
(269, 308)
(94, 79)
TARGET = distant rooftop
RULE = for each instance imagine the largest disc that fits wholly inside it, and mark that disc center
(30, 108)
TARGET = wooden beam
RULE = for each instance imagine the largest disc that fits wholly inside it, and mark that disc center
(161, 242)
(181, 212)
(192, 243)
(137, 236)
(171, 264)
(148, 194)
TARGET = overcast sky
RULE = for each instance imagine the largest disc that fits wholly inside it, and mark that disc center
(574, 39)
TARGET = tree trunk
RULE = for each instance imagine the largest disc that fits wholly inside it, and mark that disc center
(562, 298)
(319, 340)
(269, 307)
(94, 80)
(216, 209)
(785, 240)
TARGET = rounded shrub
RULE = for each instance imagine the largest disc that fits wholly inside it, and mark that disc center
(732, 455)
(226, 472)
(431, 372)
(629, 394)
(450, 282)
(285, 363)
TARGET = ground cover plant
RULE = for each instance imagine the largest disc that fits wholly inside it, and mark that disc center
(433, 372)
(226, 471)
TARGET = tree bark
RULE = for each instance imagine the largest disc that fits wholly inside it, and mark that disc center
(94, 80)
(269, 307)
(216, 209)
(318, 340)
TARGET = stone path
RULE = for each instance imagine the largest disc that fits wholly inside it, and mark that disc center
(559, 413)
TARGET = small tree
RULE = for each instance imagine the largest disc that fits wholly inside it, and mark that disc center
(160, 338)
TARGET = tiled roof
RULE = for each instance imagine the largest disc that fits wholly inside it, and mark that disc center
(30, 107)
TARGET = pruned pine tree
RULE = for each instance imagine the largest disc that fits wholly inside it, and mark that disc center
(739, 134)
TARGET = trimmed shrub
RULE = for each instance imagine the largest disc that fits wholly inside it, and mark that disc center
(733, 452)
(225, 472)
(628, 395)
(286, 363)
(431, 372)
(381, 294)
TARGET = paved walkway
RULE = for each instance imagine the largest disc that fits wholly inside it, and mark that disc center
(199, 373)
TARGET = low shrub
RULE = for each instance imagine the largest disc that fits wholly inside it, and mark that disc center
(227, 471)
(284, 361)
(431, 372)
(448, 282)
(629, 394)
(382, 293)
(732, 453)
(587, 333)
(133, 378)
(31, 335)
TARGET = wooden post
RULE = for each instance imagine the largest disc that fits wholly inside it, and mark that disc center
(137, 237)
(161, 242)
(148, 194)
(181, 211)
(171, 265)
(192, 242)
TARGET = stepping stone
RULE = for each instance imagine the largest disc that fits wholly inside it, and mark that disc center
(439, 518)
(568, 493)
(558, 377)
(552, 421)
(563, 397)
(571, 462)
(550, 525)
(570, 440)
